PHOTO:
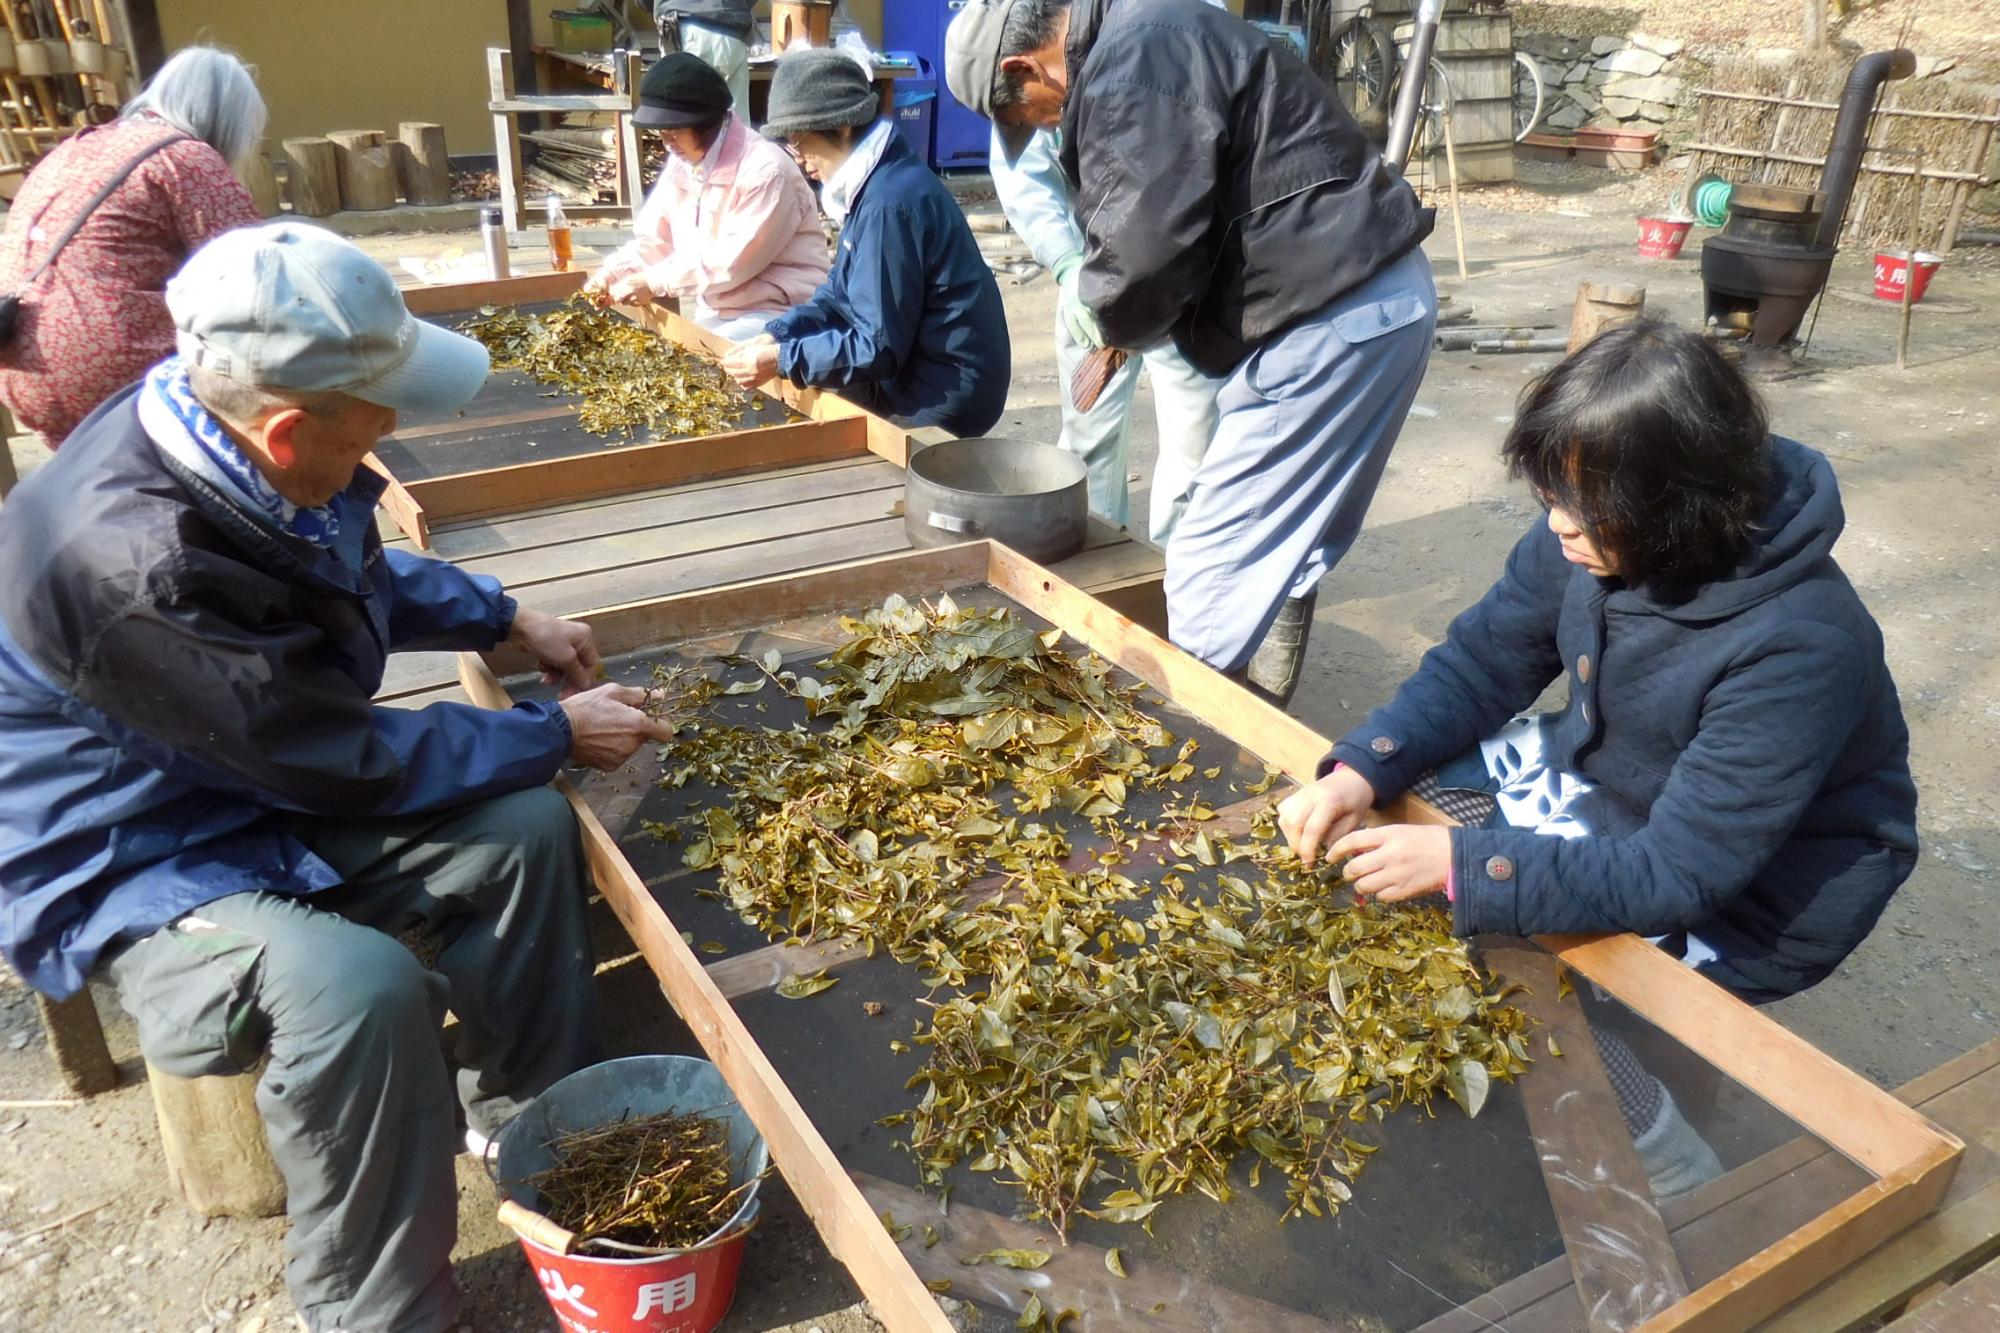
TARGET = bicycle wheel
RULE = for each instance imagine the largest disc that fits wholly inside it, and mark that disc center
(1528, 95)
(1360, 62)
(1427, 137)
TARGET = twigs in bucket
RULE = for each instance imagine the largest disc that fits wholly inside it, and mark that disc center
(653, 1182)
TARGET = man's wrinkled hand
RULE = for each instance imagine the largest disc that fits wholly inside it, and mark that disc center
(751, 363)
(564, 649)
(607, 726)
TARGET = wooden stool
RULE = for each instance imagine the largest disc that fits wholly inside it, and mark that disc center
(216, 1149)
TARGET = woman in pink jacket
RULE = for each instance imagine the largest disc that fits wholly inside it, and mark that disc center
(731, 228)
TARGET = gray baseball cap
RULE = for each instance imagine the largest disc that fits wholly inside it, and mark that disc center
(972, 58)
(291, 306)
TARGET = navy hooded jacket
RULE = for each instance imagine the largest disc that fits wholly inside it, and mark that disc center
(909, 323)
(179, 679)
(1748, 751)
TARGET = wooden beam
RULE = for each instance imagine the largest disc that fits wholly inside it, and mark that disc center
(842, 1216)
(1936, 1248)
(451, 298)
(402, 507)
(1620, 1255)
(1972, 1306)
(507, 490)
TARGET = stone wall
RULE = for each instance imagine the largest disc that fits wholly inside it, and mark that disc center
(1633, 80)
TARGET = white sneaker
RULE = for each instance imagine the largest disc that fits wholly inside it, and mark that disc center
(478, 1144)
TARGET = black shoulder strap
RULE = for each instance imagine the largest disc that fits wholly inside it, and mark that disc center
(103, 193)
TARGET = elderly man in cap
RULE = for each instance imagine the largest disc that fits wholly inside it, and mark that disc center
(1229, 203)
(731, 228)
(718, 31)
(198, 798)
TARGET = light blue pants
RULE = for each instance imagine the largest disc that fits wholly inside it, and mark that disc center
(1183, 404)
(1307, 422)
(724, 53)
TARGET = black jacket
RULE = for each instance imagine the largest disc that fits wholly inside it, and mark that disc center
(1224, 193)
(1751, 765)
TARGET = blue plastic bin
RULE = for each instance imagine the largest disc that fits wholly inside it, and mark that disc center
(914, 103)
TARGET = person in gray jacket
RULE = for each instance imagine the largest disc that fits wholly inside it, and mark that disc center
(1229, 202)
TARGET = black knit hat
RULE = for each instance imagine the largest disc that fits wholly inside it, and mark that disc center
(678, 90)
(819, 89)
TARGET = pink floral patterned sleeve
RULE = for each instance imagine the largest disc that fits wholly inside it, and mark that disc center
(98, 318)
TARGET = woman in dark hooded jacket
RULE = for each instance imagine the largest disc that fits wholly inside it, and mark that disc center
(1730, 773)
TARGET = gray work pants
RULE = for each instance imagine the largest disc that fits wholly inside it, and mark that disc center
(357, 1095)
(1307, 422)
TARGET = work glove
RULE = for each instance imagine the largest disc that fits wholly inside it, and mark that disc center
(1070, 309)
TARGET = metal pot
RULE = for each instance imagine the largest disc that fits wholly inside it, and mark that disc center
(1032, 497)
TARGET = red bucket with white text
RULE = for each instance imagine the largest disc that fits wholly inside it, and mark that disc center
(1662, 238)
(1892, 270)
(602, 1287)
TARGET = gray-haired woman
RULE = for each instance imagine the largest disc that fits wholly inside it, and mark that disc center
(96, 318)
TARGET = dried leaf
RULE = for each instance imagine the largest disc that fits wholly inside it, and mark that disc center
(1026, 1259)
(1031, 1313)
(1114, 1260)
(938, 1285)
(714, 946)
(800, 987)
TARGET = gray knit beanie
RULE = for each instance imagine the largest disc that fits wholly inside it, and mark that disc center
(819, 89)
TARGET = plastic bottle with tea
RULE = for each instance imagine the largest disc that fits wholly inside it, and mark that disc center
(560, 249)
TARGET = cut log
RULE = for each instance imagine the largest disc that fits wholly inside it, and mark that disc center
(261, 181)
(312, 184)
(76, 1038)
(215, 1146)
(422, 164)
(1600, 306)
(367, 175)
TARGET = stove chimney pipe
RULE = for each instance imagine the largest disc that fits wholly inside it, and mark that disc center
(1850, 133)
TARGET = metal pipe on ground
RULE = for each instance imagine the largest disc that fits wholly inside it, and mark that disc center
(1555, 344)
(1464, 340)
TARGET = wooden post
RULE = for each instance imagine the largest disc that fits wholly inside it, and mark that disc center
(1451, 186)
(1982, 142)
(261, 181)
(631, 173)
(1910, 259)
(367, 175)
(76, 1038)
(313, 184)
(506, 140)
(214, 1142)
(422, 164)
(1600, 306)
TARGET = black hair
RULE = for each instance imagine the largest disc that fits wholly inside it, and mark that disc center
(1029, 27)
(1655, 445)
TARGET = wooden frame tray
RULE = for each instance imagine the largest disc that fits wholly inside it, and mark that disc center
(833, 428)
(1621, 1258)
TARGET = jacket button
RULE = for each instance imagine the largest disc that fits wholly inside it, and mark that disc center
(1583, 668)
(1499, 867)
(1382, 745)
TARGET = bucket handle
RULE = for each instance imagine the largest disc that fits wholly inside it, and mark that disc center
(531, 1225)
(953, 523)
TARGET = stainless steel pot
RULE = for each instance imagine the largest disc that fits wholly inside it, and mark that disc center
(1032, 497)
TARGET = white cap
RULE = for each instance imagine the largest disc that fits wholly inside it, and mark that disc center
(287, 306)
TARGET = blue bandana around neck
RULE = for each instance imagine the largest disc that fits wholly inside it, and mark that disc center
(178, 423)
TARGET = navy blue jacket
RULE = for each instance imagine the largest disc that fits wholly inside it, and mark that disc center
(177, 678)
(1748, 750)
(909, 322)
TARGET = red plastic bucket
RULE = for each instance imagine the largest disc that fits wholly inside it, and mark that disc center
(612, 1290)
(1662, 238)
(1892, 268)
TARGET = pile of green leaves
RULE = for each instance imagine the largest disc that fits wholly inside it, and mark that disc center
(1101, 1040)
(630, 379)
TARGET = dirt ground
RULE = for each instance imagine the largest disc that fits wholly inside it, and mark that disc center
(93, 1238)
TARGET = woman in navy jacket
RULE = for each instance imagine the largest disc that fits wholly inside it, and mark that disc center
(1730, 772)
(909, 324)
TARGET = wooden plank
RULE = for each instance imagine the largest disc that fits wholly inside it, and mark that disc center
(622, 515)
(730, 566)
(1620, 1255)
(1851, 1114)
(403, 509)
(465, 425)
(451, 298)
(1972, 1306)
(762, 969)
(1074, 1274)
(521, 570)
(1966, 1233)
(843, 1217)
(510, 489)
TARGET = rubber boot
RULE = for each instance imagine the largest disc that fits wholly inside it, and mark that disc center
(1676, 1158)
(1273, 671)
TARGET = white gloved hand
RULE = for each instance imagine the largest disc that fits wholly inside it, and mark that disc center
(1070, 309)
